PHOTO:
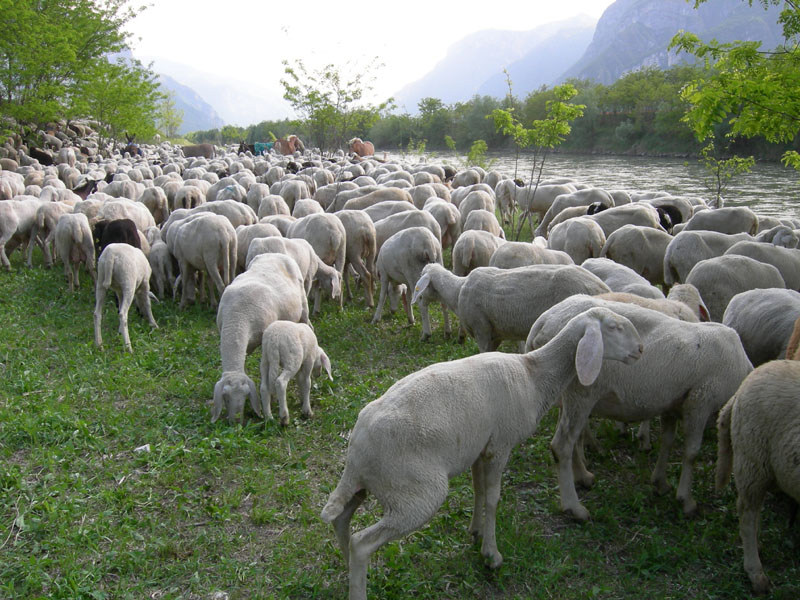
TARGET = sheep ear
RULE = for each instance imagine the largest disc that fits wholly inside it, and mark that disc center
(589, 355)
(704, 316)
(255, 403)
(421, 286)
(326, 363)
(219, 402)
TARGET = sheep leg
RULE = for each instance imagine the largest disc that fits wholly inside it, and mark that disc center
(341, 524)
(643, 435)
(479, 504)
(580, 474)
(659, 477)
(409, 310)
(304, 389)
(48, 244)
(124, 306)
(748, 504)
(187, 280)
(279, 385)
(317, 289)
(426, 320)
(446, 319)
(693, 439)
(381, 301)
(572, 420)
(266, 395)
(143, 304)
(493, 471)
(366, 281)
(409, 510)
(98, 316)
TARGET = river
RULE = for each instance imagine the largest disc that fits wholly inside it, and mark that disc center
(769, 189)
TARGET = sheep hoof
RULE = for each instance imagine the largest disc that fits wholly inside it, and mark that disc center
(760, 583)
(495, 560)
(284, 421)
(689, 507)
(579, 513)
(662, 488)
(586, 480)
(425, 337)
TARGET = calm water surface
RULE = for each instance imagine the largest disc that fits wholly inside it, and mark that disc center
(769, 189)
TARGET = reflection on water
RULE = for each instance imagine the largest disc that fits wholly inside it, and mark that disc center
(769, 189)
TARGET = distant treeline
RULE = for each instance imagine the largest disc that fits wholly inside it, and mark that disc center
(638, 114)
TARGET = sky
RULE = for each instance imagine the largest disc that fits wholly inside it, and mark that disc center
(248, 39)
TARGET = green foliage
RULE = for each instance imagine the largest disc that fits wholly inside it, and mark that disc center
(169, 118)
(329, 101)
(722, 170)
(755, 92)
(54, 65)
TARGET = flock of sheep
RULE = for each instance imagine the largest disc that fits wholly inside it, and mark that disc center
(257, 236)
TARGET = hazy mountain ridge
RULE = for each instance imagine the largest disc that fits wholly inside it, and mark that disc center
(198, 115)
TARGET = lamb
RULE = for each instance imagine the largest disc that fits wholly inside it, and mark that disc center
(306, 206)
(124, 269)
(400, 263)
(720, 278)
(501, 304)
(360, 252)
(288, 350)
(161, 262)
(764, 319)
(407, 467)
(758, 430)
(188, 196)
(75, 245)
(687, 371)
(270, 290)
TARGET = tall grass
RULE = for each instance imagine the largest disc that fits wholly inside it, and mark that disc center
(114, 483)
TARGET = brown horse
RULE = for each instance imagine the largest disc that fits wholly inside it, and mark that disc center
(289, 145)
(360, 148)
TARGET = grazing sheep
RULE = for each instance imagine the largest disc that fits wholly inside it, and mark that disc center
(204, 243)
(17, 218)
(580, 238)
(621, 278)
(793, 348)
(270, 204)
(764, 320)
(386, 228)
(270, 290)
(125, 270)
(237, 213)
(575, 198)
(361, 251)
(484, 220)
(245, 234)
(380, 194)
(118, 231)
(126, 209)
(400, 263)
(786, 260)
(328, 237)
(161, 263)
(687, 371)
(75, 245)
(501, 304)
(188, 196)
(448, 217)
(44, 229)
(381, 210)
(779, 235)
(637, 213)
(688, 248)
(407, 466)
(758, 432)
(474, 249)
(720, 278)
(730, 220)
(475, 200)
(155, 199)
(639, 248)
(288, 350)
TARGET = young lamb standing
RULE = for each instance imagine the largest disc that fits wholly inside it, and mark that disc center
(124, 269)
(408, 443)
(75, 245)
(759, 440)
(289, 350)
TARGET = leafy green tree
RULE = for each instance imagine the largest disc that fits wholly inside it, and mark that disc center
(169, 118)
(53, 53)
(754, 91)
(330, 101)
(722, 170)
(544, 134)
(435, 121)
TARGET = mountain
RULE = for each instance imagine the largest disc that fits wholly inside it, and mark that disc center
(632, 34)
(198, 115)
(475, 64)
(239, 103)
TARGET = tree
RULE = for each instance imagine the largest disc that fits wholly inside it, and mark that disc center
(544, 134)
(54, 53)
(721, 171)
(755, 92)
(169, 118)
(330, 101)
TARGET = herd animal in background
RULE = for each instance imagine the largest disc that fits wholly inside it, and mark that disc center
(257, 234)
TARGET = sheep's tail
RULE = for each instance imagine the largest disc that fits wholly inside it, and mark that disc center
(724, 445)
(340, 498)
(106, 273)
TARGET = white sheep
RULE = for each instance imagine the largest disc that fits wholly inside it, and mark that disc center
(580, 237)
(583, 197)
(75, 246)
(621, 278)
(270, 290)
(720, 278)
(44, 229)
(758, 432)
(639, 248)
(381, 210)
(17, 218)
(399, 265)
(786, 260)
(386, 228)
(161, 262)
(688, 248)
(381, 194)
(687, 371)
(245, 234)
(474, 249)
(125, 270)
(501, 304)
(289, 350)
(448, 217)
(483, 220)
(519, 254)
(730, 220)
(407, 444)
(360, 252)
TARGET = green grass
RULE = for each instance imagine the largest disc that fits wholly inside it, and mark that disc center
(212, 507)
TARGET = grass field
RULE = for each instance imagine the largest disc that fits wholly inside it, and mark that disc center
(213, 509)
